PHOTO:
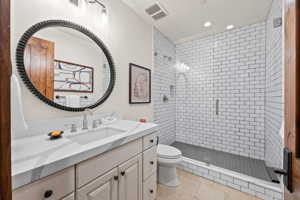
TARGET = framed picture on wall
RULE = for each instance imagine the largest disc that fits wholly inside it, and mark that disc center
(139, 84)
(71, 77)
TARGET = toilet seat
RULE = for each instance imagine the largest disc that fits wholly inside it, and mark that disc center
(168, 152)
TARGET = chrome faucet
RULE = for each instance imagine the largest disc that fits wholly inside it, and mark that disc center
(85, 118)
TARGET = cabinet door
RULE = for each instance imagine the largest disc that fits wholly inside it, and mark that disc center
(103, 188)
(130, 184)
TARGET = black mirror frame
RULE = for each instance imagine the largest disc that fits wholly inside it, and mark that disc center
(62, 23)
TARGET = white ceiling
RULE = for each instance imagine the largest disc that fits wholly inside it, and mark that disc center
(186, 18)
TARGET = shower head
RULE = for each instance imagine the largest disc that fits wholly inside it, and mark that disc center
(182, 67)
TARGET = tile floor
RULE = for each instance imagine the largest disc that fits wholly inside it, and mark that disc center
(196, 188)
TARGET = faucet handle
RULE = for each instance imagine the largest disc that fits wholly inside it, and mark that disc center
(97, 122)
(72, 127)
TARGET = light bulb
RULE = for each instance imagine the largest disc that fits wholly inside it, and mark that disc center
(229, 27)
(207, 24)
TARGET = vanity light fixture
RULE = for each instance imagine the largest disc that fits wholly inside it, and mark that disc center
(207, 24)
(229, 27)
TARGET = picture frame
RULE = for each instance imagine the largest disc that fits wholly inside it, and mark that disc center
(139, 84)
(72, 77)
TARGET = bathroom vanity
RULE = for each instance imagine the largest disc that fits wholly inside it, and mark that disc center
(121, 166)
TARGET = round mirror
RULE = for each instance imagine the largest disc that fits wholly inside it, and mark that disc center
(65, 65)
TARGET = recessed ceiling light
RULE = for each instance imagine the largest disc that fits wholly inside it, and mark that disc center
(207, 24)
(229, 27)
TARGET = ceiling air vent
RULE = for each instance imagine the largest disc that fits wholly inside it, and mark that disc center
(156, 11)
(153, 9)
(159, 15)
(75, 2)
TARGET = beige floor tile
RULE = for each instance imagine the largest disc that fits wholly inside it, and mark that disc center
(196, 188)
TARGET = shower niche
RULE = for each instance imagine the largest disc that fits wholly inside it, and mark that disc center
(171, 95)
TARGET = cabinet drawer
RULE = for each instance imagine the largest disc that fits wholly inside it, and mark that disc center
(150, 188)
(149, 162)
(55, 186)
(97, 166)
(149, 141)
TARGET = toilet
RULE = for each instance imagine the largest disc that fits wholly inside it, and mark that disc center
(168, 158)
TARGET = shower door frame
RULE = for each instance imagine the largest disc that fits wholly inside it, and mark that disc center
(5, 129)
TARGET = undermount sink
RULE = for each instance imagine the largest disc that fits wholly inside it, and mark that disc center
(92, 136)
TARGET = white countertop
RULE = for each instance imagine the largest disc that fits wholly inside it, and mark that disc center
(36, 157)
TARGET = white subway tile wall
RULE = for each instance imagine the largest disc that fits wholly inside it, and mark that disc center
(164, 84)
(228, 67)
(274, 88)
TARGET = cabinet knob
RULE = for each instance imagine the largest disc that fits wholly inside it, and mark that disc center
(151, 191)
(123, 173)
(48, 193)
(151, 162)
(152, 141)
(116, 178)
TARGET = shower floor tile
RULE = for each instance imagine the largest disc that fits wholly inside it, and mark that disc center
(251, 167)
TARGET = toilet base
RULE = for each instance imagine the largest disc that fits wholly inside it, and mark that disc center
(168, 176)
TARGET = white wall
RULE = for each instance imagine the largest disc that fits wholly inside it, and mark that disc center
(128, 38)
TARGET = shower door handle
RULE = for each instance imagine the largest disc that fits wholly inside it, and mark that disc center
(217, 106)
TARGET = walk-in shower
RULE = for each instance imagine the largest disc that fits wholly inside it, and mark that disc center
(228, 87)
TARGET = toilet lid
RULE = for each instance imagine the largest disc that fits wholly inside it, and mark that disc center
(165, 151)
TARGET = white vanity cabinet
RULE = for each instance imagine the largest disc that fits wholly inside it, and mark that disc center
(128, 176)
(121, 183)
(89, 170)
(127, 172)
